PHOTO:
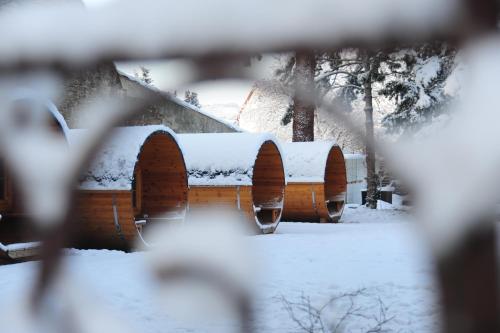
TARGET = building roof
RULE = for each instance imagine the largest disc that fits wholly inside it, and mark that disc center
(179, 101)
(31, 95)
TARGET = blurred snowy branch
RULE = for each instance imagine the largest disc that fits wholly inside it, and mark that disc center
(204, 268)
(195, 28)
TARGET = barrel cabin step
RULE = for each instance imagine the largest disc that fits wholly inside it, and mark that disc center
(166, 218)
(335, 208)
(268, 213)
(18, 252)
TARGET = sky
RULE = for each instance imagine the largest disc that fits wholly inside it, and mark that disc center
(164, 73)
(97, 3)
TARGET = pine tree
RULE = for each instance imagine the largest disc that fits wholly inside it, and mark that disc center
(418, 87)
(191, 97)
(351, 73)
(299, 73)
(303, 111)
(412, 76)
(144, 75)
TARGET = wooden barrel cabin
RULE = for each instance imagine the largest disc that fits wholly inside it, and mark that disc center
(17, 235)
(316, 182)
(238, 170)
(138, 179)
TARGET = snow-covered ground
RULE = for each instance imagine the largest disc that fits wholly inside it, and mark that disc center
(377, 250)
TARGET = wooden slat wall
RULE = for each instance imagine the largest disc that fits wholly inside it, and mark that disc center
(164, 178)
(298, 196)
(96, 223)
(299, 204)
(223, 196)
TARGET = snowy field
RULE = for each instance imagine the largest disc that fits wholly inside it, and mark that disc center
(379, 251)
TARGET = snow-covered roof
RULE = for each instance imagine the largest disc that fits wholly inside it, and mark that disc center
(179, 101)
(59, 118)
(28, 94)
(305, 162)
(113, 167)
(222, 158)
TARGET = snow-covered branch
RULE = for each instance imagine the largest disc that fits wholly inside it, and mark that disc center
(326, 75)
(347, 85)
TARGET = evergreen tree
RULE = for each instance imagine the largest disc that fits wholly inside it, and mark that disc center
(303, 111)
(350, 73)
(299, 73)
(192, 98)
(413, 77)
(355, 72)
(418, 86)
(144, 75)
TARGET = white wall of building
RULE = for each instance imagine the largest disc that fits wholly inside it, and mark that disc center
(356, 177)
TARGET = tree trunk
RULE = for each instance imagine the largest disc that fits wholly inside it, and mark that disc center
(303, 112)
(371, 180)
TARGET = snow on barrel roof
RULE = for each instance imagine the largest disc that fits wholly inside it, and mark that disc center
(222, 158)
(113, 166)
(306, 161)
(30, 95)
(59, 118)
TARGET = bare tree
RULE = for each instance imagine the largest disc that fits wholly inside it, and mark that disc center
(312, 319)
